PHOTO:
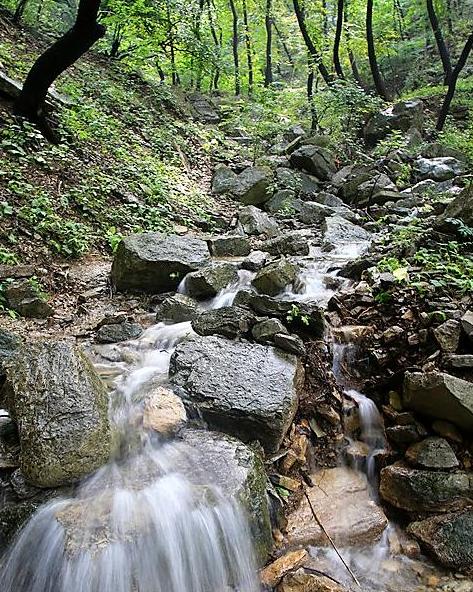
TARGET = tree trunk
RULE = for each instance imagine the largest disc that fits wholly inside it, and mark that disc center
(236, 63)
(198, 36)
(315, 55)
(290, 59)
(443, 51)
(377, 78)
(351, 55)
(336, 43)
(218, 44)
(314, 119)
(268, 71)
(452, 83)
(172, 49)
(57, 58)
(19, 11)
(249, 56)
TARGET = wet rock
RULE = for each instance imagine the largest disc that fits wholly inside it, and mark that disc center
(153, 262)
(290, 343)
(115, 333)
(461, 208)
(440, 396)
(447, 430)
(247, 390)
(9, 343)
(447, 335)
(289, 243)
(467, 324)
(254, 221)
(275, 277)
(339, 231)
(224, 180)
(460, 361)
(316, 160)
(404, 435)
(208, 281)
(164, 412)
(265, 331)
(9, 445)
(402, 116)
(229, 246)
(301, 581)
(351, 517)
(255, 261)
(229, 321)
(448, 538)
(25, 299)
(284, 201)
(253, 186)
(312, 212)
(432, 453)
(272, 574)
(438, 169)
(61, 408)
(177, 308)
(328, 199)
(240, 472)
(417, 490)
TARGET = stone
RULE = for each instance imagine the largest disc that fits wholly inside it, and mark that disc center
(404, 435)
(253, 187)
(432, 453)
(265, 331)
(283, 201)
(448, 538)
(460, 361)
(203, 108)
(164, 412)
(437, 169)
(9, 343)
(338, 232)
(301, 581)
(208, 281)
(153, 262)
(275, 277)
(9, 445)
(467, 324)
(290, 343)
(289, 243)
(440, 396)
(115, 333)
(460, 208)
(402, 116)
(255, 261)
(378, 189)
(239, 471)
(273, 573)
(61, 408)
(447, 430)
(228, 321)
(224, 180)
(177, 308)
(447, 335)
(351, 517)
(229, 246)
(254, 222)
(417, 490)
(312, 212)
(247, 390)
(24, 298)
(16, 271)
(328, 199)
(316, 160)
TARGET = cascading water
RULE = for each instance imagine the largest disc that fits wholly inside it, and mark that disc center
(152, 520)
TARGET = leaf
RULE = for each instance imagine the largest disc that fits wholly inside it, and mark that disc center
(401, 274)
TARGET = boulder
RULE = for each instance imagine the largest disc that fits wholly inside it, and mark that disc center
(229, 246)
(340, 232)
(9, 445)
(447, 335)
(254, 221)
(316, 160)
(255, 261)
(417, 490)
(312, 212)
(275, 277)
(461, 208)
(437, 169)
(24, 298)
(303, 184)
(273, 573)
(247, 390)
(203, 108)
(228, 321)
(378, 189)
(288, 243)
(177, 308)
(292, 344)
(448, 538)
(155, 263)
(117, 332)
(164, 412)
(302, 581)
(9, 343)
(432, 453)
(351, 516)
(61, 409)
(264, 331)
(328, 199)
(224, 180)
(402, 116)
(440, 396)
(283, 201)
(467, 324)
(208, 281)
(253, 187)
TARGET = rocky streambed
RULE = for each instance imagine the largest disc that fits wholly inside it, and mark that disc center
(227, 428)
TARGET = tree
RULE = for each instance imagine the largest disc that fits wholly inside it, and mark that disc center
(268, 71)
(338, 36)
(236, 63)
(452, 83)
(249, 50)
(57, 58)
(377, 78)
(351, 55)
(19, 11)
(443, 51)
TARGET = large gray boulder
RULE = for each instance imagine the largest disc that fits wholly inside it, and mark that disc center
(208, 281)
(253, 187)
(288, 243)
(9, 343)
(27, 300)
(432, 453)
(228, 321)
(153, 262)
(275, 277)
(315, 160)
(461, 208)
(253, 221)
(244, 389)
(402, 116)
(339, 232)
(224, 180)
(61, 408)
(229, 245)
(438, 169)
(448, 538)
(177, 308)
(441, 396)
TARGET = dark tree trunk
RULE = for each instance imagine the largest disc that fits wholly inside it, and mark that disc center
(57, 58)
(198, 36)
(19, 11)
(314, 119)
(290, 59)
(236, 63)
(218, 43)
(351, 55)
(116, 41)
(268, 71)
(249, 55)
(453, 83)
(399, 15)
(172, 49)
(338, 36)
(377, 78)
(443, 51)
(315, 55)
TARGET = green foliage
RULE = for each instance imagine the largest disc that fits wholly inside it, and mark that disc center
(295, 314)
(449, 267)
(7, 257)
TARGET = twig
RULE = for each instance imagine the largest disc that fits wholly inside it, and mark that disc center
(330, 539)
